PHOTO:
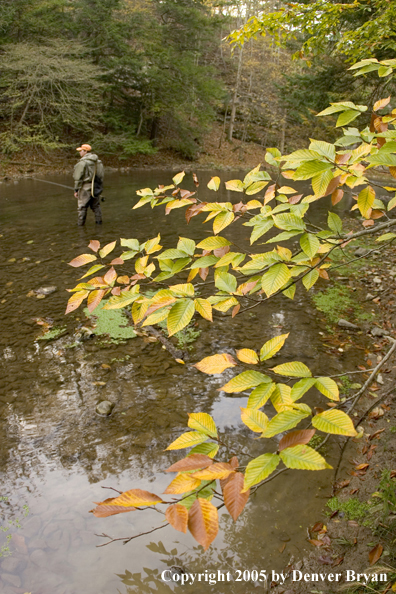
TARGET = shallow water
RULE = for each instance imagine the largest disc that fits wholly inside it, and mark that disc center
(56, 454)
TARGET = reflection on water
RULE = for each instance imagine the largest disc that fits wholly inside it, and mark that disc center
(56, 454)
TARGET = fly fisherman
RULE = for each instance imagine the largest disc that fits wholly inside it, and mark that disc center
(88, 184)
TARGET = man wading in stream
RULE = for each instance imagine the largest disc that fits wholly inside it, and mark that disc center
(88, 184)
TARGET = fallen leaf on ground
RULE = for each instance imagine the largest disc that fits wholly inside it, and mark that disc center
(375, 553)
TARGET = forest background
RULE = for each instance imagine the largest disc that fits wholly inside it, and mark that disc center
(135, 76)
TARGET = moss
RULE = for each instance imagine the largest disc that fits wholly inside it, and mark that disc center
(111, 322)
(53, 333)
(338, 302)
(352, 508)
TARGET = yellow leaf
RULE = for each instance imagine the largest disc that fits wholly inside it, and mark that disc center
(245, 380)
(258, 469)
(180, 315)
(203, 522)
(219, 470)
(203, 307)
(248, 356)
(303, 457)
(293, 369)
(186, 440)
(216, 363)
(134, 498)
(182, 484)
(260, 395)
(256, 420)
(178, 178)
(214, 183)
(281, 398)
(235, 185)
(81, 260)
(203, 423)
(335, 422)
(328, 387)
(222, 221)
(107, 249)
(271, 347)
(283, 421)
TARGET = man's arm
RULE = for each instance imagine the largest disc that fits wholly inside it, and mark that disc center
(78, 176)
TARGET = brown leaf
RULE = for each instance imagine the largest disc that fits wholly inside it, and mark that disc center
(368, 223)
(336, 196)
(239, 207)
(104, 510)
(203, 273)
(325, 560)
(333, 185)
(177, 516)
(379, 125)
(236, 310)
(362, 466)
(186, 194)
(220, 252)
(295, 199)
(353, 491)
(203, 522)
(282, 548)
(117, 261)
(94, 298)
(94, 245)
(324, 274)
(316, 543)
(234, 499)
(341, 484)
(342, 159)
(373, 116)
(195, 178)
(338, 561)
(193, 462)
(248, 287)
(376, 435)
(377, 214)
(375, 553)
(218, 470)
(234, 462)
(317, 527)
(193, 210)
(296, 437)
(326, 541)
(133, 498)
(116, 291)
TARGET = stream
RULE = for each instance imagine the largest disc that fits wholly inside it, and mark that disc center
(57, 454)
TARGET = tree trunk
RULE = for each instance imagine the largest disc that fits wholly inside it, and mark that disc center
(235, 97)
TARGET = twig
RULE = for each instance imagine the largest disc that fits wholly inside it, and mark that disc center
(128, 538)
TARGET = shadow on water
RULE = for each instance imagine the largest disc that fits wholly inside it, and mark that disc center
(56, 454)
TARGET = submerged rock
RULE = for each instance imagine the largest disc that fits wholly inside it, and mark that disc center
(361, 252)
(104, 408)
(375, 331)
(45, 290)
(345, 324)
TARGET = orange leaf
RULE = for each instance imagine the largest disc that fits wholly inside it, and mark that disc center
(203, 273)
(392, 171)
(270, 194)
(193, 462)
(219, 470)
(94, 245)
(296, 437)
(104, 510)
(375, 553)
(107, 249)
(94, 298)
(295, 199)
(177, 516)
(82, 259)
(368, 223)
(134, 498)
(362, 466)
(235, 310)
(110, 276)
(203, 522)
(324, 274)
(117, 261)
(234, 499)
(193, 210)
(76, 300)
(342, 159)
(216, 363)
(381, 103)
(333, 185)
(195, 178)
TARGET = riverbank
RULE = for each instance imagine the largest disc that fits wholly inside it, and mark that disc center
(216, 153)
(356, 533)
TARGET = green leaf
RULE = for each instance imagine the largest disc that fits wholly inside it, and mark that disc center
(346, 117)
(213, 243)
(260, 395)
(365, 201)
(256, 420)
(293, 369)
(321, 182)
(281, 399)
(203, 423)
(385, 159)
(311, 168)
(385, 237)
(289, 222)
(225, 281)
(323, 148)
(283, 421)
(260, 230)
(171, 254)
(335, 422)
(255, 187)
(290, 291)
(155, 318)
(180, 315)
(328, 387)
(271, 347)
(244, 381)
(214, 183)
(334, 222)
(92, 270)
(276, 278)
(309, 244)
(208, 449)
(310, 279)
(303, 457)
(186, 440)
(204, 262)
(222, 221)
(384, 71)
(132, 244)
(186, 245)
(299, 388)
(258, 469)
(119, 301)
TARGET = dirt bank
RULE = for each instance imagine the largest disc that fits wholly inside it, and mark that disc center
(216, 153)
(357, 530)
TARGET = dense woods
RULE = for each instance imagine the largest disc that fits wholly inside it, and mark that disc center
(135, 75)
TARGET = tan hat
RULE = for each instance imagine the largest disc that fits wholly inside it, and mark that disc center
(84, 147)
